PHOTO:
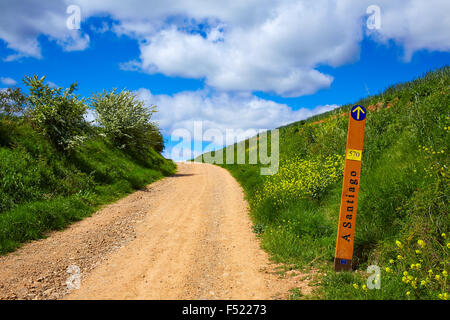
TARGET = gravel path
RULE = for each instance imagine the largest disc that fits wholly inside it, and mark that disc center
(185, 237)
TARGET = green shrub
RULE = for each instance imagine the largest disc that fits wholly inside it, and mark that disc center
(127, 121)
(12, 102)
(42, 189)
(55, 168)
(57, 113)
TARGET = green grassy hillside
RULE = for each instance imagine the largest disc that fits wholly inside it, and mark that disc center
(402, 224)
(42, 188)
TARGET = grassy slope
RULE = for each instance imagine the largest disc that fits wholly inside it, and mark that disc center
(42, 189)
(403, 192)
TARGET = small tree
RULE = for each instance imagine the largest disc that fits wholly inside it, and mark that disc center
(58, 113)
(127, 121)
(12, 102)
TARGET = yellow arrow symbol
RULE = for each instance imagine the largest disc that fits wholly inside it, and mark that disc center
(358, 109)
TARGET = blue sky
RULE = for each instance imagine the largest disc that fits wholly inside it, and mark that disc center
(232, 66)
(379, 67)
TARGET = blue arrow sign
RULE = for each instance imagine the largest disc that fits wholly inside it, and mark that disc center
(358, 112)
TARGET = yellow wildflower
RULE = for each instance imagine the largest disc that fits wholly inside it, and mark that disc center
(421, 243)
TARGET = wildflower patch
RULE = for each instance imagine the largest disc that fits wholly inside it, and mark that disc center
(298, 178)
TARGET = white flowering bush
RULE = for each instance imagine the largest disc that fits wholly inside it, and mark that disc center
(57, 113)
(12, 102)
(126, 120)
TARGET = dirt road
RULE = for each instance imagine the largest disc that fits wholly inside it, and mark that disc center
(185, 237)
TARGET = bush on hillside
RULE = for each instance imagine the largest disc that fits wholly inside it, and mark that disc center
(57, 113)
(126, 121)
(12, 102)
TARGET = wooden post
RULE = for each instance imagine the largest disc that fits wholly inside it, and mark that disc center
(350, 189)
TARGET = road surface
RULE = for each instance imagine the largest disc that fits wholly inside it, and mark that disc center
(188, 236)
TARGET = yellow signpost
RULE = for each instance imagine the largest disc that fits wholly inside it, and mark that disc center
(349, 199)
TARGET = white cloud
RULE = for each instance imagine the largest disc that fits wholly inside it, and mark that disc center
(415, 25)
(8, 81)
(271, 46)
(277, 54)
(235, 45)
(91, 116)
(22, 22)
(104, 27)
(74, 42)
(53, 85)
(221, 111)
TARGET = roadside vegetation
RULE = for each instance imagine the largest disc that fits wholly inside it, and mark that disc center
(56, 167)
(402, 225)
